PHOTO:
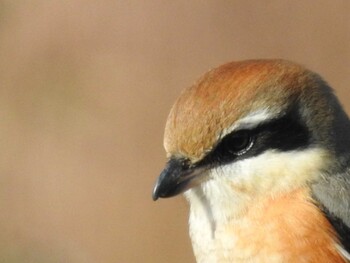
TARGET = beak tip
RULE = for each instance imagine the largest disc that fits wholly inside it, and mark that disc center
(155, 194)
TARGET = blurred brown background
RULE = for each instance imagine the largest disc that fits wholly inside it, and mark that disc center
(85, 90)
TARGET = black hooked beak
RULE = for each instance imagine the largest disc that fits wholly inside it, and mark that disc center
(176, 178)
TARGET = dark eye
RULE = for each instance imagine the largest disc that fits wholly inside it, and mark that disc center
(230, 147)
(238, 143)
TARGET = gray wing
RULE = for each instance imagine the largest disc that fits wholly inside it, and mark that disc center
(333, 195)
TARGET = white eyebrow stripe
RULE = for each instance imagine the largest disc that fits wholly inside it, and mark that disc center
(250, 121)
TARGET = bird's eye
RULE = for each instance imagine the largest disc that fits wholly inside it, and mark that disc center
(230, 147)
(239, 142)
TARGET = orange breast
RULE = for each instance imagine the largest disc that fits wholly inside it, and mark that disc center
(288, 229)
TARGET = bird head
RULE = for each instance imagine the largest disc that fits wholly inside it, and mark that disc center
(252, 128)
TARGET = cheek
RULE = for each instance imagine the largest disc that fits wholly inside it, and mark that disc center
(273, 171)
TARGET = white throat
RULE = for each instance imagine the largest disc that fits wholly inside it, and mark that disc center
(232, 188)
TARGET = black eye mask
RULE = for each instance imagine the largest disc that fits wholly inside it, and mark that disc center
(286, 133)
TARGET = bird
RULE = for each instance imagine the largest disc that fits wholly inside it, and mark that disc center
(261, 151)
